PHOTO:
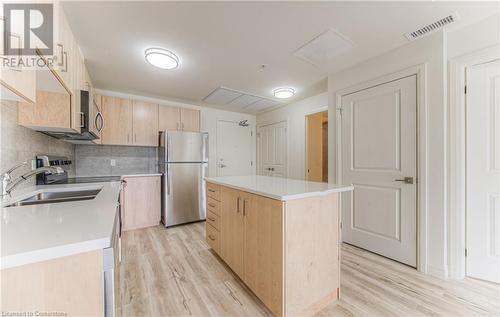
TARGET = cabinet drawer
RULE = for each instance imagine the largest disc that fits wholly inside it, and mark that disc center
(212, 237)
(213, 219)
(213, 191)
(213, 205)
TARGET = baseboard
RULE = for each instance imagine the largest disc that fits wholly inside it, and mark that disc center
(439, 272)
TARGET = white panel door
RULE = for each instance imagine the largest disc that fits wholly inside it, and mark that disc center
(483, 171)
(234, 149)
(378, 153)
(272, 149)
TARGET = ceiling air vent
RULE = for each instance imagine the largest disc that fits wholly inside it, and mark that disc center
(239, 100)
(432, 27)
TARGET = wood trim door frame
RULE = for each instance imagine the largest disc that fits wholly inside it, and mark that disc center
(456, 151)
(257, 143)
(420, 71)
(306, 156)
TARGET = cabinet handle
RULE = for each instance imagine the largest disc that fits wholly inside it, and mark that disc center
(211, 219)
(182, 124)
(238, 204)
(66, 64)
(211, 237)
(61, 63)
(244, 208)
(211, 190)
(211, 205)
(82, 119)
(135, 137)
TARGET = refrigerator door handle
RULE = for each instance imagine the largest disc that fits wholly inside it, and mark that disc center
(169, 146)
(167, 172)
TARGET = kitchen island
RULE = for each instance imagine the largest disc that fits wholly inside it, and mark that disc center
(280, 236)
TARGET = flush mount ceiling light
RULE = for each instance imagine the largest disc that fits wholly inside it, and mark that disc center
(283, 93)
(161, 58)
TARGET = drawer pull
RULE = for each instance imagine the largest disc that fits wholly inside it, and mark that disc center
(211, 205)
(211, 190)
(211, 219)
(211, 237)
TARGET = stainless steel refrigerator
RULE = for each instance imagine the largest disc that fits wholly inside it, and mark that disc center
(183, 161)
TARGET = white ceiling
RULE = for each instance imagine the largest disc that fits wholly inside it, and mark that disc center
(225, 43)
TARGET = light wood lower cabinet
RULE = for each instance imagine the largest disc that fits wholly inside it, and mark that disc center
(286, 252)
(141, 202)
(72, 285)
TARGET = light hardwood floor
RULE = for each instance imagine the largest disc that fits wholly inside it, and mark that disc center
(172, 272)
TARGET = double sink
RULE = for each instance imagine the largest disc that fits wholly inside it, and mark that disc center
(50, 197)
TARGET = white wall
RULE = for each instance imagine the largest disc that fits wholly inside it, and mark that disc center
(474, 37)
(208, 122)
(429, 51)
(294, 114)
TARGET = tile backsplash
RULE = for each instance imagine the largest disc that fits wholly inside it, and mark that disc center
(95, 160)
(19, 144)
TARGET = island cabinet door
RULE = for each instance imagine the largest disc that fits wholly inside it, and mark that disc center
(263, 249)
(232, 229)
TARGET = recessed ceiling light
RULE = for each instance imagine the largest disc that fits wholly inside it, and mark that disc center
(161, 58)
(283, 93)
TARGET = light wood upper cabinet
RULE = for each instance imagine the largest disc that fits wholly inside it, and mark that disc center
(175, 118)
(117, 114)
(141, 202)
(51, 110)
(169, 118)
(190, 120)
(145, 123)
(18, 84)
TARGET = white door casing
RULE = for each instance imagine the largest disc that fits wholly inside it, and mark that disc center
(234, 149)
(272, 149)
(483, 171)
(379, 128)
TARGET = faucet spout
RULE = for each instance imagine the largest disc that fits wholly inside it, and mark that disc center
(21, 179)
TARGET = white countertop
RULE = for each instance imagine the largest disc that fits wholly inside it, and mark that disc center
(123, 176)
(35, 233)
(277, 187)
(141, 175)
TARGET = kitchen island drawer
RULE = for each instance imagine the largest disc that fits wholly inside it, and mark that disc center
(213, 219)
(213, 205)
(212, 237)
(213, 191)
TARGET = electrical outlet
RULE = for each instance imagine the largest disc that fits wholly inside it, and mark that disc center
(113, 162)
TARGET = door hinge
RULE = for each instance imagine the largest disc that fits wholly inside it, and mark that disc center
(251, 133)
(251, 163)
(466, 252)
(465, 89)
(341, 225)
(340, 110)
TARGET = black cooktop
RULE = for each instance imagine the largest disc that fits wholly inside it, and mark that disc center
(93, 179)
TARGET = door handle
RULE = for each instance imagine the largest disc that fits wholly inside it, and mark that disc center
(406, 180)
(238, 205)
(222, 165)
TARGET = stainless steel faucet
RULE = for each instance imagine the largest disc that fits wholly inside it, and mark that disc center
(10, 185)
(7, 177)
